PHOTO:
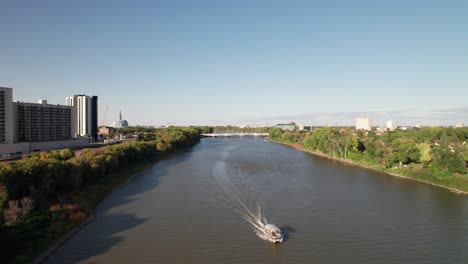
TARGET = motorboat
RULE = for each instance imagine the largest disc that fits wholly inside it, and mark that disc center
(274, 233)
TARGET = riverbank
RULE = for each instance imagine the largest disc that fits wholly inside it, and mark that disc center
(54, 227)
(92, 197)
(96, 193)
(64, 189)
(299, 146)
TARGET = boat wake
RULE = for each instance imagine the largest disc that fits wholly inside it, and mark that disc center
(230, 195)
(256, 219)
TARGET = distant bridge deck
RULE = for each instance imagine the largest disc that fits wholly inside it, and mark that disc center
(238, 135)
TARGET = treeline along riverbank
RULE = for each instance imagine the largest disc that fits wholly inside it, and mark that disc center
(48, 194)
(435, 155)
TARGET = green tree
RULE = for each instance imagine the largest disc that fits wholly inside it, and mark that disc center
(390, 158)
(275, 133)
(424, 152)
(406, 150)
(346, 142)
(288, 137)
(446, 160)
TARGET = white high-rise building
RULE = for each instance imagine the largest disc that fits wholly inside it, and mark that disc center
(364, 124)
(6, 116)
(391, 125)
(85, 111)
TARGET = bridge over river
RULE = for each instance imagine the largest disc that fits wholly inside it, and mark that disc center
(239, 135)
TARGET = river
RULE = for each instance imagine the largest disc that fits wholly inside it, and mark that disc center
(182, 210)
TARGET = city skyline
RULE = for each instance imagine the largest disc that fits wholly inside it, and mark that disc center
(244, 63)
(406, 117)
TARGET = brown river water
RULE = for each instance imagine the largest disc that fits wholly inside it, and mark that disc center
(187, 209)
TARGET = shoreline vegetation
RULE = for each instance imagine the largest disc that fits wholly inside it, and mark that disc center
(436, 156)
(350, 162)
(46, 198)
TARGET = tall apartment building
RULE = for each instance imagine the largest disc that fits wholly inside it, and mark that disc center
(6, 116)
(39, 122)
(85, 110)
(364, 124)
(32, 122)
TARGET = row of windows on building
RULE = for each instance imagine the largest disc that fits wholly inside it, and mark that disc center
(37, 122)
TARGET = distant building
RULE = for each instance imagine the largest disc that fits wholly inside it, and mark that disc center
(302, 127)
(364, 124)
(6, 116)
(291, 126)
(27, 127)
(391, 125)
(42, 122)
(120, 123)
(459, 125)
(85, 111)
(106, 131)
(380, 130)
(32, 122)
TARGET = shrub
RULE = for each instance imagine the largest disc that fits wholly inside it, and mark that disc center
(15, 213)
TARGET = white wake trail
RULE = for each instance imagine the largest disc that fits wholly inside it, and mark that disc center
(255, 217)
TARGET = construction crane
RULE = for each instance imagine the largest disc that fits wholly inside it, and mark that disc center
(103, 122)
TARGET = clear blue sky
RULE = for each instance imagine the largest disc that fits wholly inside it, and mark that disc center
(242, 61)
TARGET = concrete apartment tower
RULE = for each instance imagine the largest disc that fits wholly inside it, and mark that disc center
(364, 124)
(85, 110)
(41, 122)
(6, 116)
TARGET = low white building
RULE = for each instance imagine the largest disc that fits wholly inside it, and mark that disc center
(364, 124)
(459, 125)
(291, 126)
(302, 127)
(391, 125)
(380, 130)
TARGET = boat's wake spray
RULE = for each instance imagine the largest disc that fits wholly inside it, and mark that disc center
(255, 218)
